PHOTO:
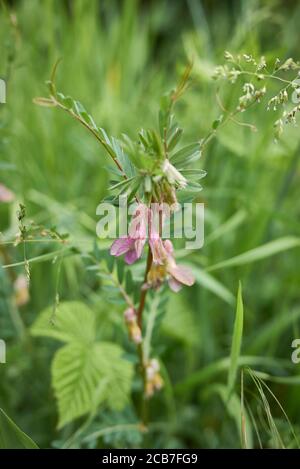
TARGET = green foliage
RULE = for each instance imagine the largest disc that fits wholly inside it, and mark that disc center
(236, 342)
(141, 171)
(115, 429)
(126, 55)
(71, 322)
(207, 281)
(235, 411)
(259, 253)
(11, 436)
(85, 372)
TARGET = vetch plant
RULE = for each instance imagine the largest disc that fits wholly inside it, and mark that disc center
(157, 175)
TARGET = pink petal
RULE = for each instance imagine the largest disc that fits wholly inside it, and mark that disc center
(120, 246)
(168, 246)
(5, 194)
(159, 252)
(181, 273)
(131, 256)
(130, 314)
(174, 285)
(138, 225)
(139, 246)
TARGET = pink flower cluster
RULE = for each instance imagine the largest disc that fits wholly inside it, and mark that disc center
(164, 266)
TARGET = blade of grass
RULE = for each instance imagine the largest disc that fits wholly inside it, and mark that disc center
(278, 443)
(267, 250)
(213, 285)
(219, 366)
(236, 342)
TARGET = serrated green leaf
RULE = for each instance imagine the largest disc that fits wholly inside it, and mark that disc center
(85, 376)
(72, 321)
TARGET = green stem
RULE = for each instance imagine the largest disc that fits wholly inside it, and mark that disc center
(142, 358)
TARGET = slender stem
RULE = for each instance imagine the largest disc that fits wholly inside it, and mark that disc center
(140, 348)
(274, 77)
(88, 127)
(142, 367)
(144, 291)
(93, 131)
(230, 117)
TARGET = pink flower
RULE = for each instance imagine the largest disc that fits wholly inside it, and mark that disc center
(156, 216)
(125, 245)
(5, 194)
(178, 274)
(133, 244)
(159, 253)
(164, 266)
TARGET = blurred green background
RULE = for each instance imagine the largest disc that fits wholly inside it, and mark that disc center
(118, 58)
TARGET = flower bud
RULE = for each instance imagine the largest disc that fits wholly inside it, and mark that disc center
(154, 381)
(134, 331)
(173, 175)
(21, 290)
(130, 315)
